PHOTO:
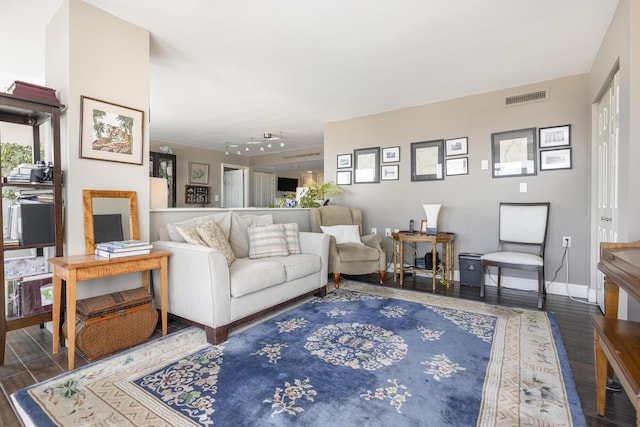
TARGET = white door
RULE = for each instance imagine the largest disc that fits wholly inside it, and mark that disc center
(263, 189)
(608, 112)
(233, 189)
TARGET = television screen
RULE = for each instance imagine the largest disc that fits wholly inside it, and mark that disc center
(287, 184)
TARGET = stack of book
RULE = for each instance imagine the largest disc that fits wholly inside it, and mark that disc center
(22, 173)
(123, 248)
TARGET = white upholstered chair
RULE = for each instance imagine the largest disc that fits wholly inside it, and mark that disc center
(521, 244)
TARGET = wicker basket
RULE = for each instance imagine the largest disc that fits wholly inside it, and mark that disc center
(109, 323)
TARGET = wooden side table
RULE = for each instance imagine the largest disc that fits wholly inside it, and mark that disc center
(445, 239)
(79, 268)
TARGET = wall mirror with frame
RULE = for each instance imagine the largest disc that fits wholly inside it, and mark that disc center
(109, 214)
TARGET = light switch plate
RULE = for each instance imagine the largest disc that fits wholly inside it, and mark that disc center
(523, 187)
(484, 165)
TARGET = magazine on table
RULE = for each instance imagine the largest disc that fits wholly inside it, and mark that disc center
(107, 254)
(124, 246)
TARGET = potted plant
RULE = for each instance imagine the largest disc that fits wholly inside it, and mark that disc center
(317, 193)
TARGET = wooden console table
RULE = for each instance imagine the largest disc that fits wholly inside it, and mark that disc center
(617, 342)
(79, 268)
(445, 239)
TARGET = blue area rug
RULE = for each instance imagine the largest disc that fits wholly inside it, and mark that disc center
(389, 358)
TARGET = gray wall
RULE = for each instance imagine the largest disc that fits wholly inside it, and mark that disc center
(470, 202)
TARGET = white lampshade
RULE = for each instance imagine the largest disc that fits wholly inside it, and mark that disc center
(159, 194)
(432, 211)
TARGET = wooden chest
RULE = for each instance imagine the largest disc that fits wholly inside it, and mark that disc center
(109, 323)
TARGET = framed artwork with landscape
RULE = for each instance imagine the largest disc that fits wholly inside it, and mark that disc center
(514, 153)
(110, 132)
(366, 165)
(427, 160)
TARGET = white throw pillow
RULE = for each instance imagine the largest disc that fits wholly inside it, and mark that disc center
(343, 233)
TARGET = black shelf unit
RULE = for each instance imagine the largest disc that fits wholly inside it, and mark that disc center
(33, 113)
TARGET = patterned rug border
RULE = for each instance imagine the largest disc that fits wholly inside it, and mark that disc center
(193, 340)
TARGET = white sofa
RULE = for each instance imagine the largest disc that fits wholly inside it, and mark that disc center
(205, 290)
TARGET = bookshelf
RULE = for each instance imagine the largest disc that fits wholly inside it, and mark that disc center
(34, 108)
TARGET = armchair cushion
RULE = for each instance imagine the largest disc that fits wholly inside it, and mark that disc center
(350, 252)
(343, 233)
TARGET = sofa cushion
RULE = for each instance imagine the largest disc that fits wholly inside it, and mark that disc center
(301, 265)
(343, 233)
(213, 236)
(222, 219)
(267, 241)
(291, 234)
(190, 235)
(248, 275)
(238, 237)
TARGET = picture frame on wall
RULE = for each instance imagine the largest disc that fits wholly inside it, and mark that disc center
(390, 154)
(343, 177)
(390, 172)
(555, 136)
(459, 166)
(427, 160)
(111, 132)
(366, 162)
(555, 159)
(198, 173)
(513, 153)
(456, 146)
(344, 161)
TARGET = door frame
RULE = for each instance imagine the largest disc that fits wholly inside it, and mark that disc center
(245, 181)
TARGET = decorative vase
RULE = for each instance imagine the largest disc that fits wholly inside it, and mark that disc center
(290, 203)
(432, 211)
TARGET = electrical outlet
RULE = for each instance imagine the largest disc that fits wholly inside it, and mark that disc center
(566, 241)
(374, 230)
(387, 232)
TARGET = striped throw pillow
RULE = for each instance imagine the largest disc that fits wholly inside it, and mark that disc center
(267, 241)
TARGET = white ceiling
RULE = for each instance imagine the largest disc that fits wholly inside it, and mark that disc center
(230, 70)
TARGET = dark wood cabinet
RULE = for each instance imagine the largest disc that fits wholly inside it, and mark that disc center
(43, 117)
(163, 165)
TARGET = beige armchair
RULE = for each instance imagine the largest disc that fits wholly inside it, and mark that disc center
(348, 253)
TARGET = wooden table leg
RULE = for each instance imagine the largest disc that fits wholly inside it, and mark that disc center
(395, 259)
(401, 263)
(55, 310)
(602, 366)
(164, 292)
(71, 319)
(434, 264)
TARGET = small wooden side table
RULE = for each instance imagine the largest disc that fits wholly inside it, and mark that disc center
(79, 268)
(444, 238)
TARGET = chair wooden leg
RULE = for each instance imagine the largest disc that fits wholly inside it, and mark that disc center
(381, 277)
(336, 278)
(499, 277)
(483, 271)
(541, 289)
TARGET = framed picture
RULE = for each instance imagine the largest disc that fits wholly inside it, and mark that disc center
(423, 226)
(198, 173)
(458, 166)
(344, 161)
(513, 153)
(343, 178)
(389, 172)
(555, 159)
(555, 136)
(110, 132)
(427, 160)
(366, 163)
(456, 147)
(196, 194)
(390, 154)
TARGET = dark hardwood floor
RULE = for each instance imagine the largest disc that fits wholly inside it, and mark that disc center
(29, 359)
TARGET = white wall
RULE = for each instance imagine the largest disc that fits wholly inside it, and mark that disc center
(92, 53)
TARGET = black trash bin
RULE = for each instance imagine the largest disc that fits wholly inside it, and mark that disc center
(470, 269)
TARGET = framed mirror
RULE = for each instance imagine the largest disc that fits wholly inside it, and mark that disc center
(109, 215)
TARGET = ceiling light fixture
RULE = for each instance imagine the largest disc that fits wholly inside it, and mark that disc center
(270, 137)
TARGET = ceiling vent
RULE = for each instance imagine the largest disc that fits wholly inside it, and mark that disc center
(540, 95)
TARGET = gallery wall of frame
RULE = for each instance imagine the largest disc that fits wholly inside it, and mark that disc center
(513, 153)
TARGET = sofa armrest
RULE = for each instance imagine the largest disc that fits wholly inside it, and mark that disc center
(317, 243)
(198, 283)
